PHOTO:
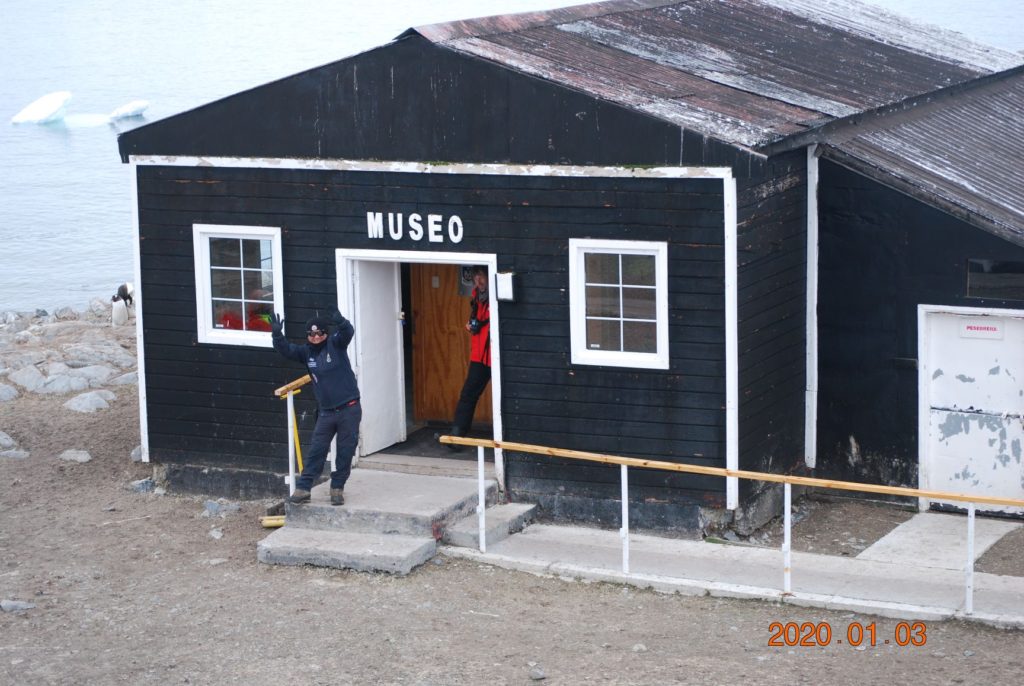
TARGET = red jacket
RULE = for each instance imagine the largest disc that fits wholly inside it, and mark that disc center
(480, 344)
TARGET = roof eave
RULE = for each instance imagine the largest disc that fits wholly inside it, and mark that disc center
(994, 225)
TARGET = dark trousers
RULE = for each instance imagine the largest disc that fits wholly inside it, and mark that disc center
(343, 422)
(476, 381)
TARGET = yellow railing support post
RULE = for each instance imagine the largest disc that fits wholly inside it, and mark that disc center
(295, 431)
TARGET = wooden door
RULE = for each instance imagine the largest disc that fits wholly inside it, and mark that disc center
(440, 344)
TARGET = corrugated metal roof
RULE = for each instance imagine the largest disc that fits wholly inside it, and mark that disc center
(963, 152)
(747, 72)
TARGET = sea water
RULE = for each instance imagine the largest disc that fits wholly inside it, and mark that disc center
(65, 215)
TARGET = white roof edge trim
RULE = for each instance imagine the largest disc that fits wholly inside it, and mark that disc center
(427, 168)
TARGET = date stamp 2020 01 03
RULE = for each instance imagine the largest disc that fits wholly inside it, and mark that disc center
(820, 634)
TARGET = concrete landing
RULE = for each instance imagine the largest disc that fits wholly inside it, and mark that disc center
(390, 522)
(935, 539)
(345, 550)
(698, 568)
(390, 502)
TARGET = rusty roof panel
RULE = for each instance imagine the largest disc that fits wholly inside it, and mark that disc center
(748, 72)
(964, 151)
(762, 49)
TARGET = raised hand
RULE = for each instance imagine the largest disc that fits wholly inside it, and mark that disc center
(276, 324)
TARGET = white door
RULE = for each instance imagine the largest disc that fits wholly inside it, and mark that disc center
(973, 381)
(380, 368)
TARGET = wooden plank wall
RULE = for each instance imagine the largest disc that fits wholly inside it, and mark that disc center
(772, 258)
(882, 254)
(213, 403)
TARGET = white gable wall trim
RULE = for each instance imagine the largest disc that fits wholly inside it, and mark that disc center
(730, 241)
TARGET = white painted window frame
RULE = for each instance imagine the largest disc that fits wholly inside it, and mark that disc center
(201, 235)
(578, 249)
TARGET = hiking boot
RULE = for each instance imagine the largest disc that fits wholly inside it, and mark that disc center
(337, 496)
(299, 496)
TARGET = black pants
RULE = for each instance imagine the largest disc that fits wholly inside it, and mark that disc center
(476, 381)
(342, 422)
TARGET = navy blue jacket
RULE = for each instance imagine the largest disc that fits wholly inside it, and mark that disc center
(334, 384)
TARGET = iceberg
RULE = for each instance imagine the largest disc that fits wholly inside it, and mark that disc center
(135, 108)
(49, 108)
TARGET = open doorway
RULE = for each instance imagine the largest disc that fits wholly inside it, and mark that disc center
(411, 349)
(435, 305)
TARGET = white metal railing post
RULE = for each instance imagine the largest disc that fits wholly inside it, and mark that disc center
(481, 503)
(969, 592)
(291, 442)
(787, 519)
(624, 531)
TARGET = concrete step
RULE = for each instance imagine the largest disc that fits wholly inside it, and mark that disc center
(390, 503)
(363, 552)
(430, 466)
(500, 522)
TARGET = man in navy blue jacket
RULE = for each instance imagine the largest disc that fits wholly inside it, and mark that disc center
(337, 396)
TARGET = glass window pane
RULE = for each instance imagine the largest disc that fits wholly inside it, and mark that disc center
(225, 252)
(227, 315)
(638, 270)
(603, 334)
(602, 301)
(256, 254)
(995, 279)
(226, 283)
(640, 337)
(256, 285)
(639, 303)
(258, 318)
(601, 268)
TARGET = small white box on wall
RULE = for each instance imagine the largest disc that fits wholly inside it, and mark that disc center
(503, 285)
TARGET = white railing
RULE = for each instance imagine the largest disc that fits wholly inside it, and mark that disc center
(288, 392)
(788, 482)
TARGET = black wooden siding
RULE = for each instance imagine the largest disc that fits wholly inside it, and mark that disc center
(772, 264)
(413, 100)
(212, 404)
(882, 254)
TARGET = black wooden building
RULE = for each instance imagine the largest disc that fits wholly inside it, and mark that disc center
(643, 179)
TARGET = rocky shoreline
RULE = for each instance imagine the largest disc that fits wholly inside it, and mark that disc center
(66, 353)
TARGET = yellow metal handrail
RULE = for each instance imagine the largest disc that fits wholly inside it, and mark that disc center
(292, 385)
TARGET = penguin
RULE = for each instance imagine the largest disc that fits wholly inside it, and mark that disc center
(118, 311)
(119, 304)
(126, 292)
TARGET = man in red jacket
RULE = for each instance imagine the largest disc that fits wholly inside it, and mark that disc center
(479, 325)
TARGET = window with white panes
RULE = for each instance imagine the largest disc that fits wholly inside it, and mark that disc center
(618, 303)
(238, 283)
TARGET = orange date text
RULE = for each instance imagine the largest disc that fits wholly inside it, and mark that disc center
(820, 634)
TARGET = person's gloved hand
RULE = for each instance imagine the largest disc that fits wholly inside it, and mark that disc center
(337, 317)
(276, 324)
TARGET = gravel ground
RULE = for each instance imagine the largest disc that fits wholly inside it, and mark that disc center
(147, 588)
